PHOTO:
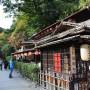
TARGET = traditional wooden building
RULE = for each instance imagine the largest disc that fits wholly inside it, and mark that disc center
(64, 52)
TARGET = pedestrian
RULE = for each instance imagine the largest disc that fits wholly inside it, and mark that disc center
(5, 64)
(1, 63)
(11, 67)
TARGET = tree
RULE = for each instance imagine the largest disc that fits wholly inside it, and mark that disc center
(7, 50)
(84, 3)
(22, 30)
(33, 15)
(44, 12)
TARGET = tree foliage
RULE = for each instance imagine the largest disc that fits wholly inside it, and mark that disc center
(5, 48)
(42, 12)
(33, 15)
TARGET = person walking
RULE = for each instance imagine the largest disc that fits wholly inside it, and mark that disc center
(5, 64)
(11, 67)
(1, 64)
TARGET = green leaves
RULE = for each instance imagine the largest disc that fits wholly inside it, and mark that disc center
(84, 3)
(34, 15)
(28, 70)
(7, 50)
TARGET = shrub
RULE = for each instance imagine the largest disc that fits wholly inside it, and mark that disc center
(28, 70)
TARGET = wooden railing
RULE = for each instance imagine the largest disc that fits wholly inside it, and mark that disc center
(54, 81)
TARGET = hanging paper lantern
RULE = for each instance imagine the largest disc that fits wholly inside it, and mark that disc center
(39, 52)
(25, 54)
(14, 55)
(29, 53)
(85, 52)
(36, 52)
(22, 54)
(18, 55)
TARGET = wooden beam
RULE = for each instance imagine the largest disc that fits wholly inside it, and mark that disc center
(58, 41)
(75, 30)
(70, 24)
(85, 36)
(47, 28)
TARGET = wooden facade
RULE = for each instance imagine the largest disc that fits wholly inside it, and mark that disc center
(57, 47)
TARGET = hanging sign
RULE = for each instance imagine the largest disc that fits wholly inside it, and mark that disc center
(57, 62)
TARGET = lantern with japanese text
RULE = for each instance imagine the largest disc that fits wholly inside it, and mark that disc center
(85, 52)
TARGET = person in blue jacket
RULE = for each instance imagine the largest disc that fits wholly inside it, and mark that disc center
(11, 67)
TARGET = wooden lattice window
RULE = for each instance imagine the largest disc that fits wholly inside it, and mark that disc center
(50, 60)
(65, 60)
(56, 60)
(45, 61)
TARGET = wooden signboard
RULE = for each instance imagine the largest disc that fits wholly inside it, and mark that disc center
(57, 62)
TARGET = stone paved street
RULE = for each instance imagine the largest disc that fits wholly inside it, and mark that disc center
(16, 83)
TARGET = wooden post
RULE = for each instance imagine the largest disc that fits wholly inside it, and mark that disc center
(40, 77)
(72, 60)
(49, 87)
(73, 65)
(54, 75)
(46, 74)
(88, 76)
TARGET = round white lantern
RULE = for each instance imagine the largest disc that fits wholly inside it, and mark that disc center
(36, 52)
(85, 51)
(22, 54)
(29, 53)
(25, 54)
